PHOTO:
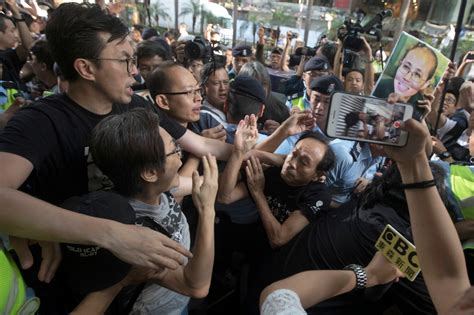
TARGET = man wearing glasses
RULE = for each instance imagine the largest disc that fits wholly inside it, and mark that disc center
(413, 75)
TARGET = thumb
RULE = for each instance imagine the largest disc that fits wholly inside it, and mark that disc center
(23, 252)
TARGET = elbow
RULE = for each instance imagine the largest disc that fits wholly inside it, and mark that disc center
(276, 242)
(199, 293)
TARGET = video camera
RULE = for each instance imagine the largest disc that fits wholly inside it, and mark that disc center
(349, 34)
(199, 48)
(305, 51)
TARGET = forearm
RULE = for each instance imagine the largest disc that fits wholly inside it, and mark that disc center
(24, 216)
(229, 177)
(465, 229)
(315, 286)
(271, 143)
(198, 271)
(25, 37)
(284, 57)
(368, 77)
(440, 254)
(338, 63)
(259, 52)
(192, 164)
(270, 223)
(200, 146)
(97, 302)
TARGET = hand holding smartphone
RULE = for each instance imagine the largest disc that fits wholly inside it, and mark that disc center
(367, 119)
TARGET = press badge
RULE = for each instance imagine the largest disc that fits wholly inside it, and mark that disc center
(399, 251)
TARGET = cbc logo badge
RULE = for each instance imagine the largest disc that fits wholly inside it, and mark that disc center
(399, 251)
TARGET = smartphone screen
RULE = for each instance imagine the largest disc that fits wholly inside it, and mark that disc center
(367, 119)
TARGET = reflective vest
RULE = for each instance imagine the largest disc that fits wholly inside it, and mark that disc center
(13, 291)
(462, 185)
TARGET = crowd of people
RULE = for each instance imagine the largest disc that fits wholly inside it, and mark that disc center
(138, 177)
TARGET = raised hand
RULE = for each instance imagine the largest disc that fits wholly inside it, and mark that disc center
(246, 135)
(299, 121)
(255, 176)
(204, 195)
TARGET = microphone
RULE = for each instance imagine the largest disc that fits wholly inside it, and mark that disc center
(376, 20)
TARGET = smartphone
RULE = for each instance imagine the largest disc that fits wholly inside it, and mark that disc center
(367, 119)
(470, 56)
(399, 251)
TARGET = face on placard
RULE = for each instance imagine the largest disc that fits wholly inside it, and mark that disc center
(186, 107)
(413, 72)
(319, 107)
(115, 69)
(147, 65)
(168, 177)
(354, 82)
(217, 88)
(238, 62)
(300, 165)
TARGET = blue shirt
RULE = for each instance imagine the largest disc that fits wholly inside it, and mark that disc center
(353, 160)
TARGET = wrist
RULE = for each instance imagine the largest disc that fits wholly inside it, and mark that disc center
(417, 170)
(371, 279)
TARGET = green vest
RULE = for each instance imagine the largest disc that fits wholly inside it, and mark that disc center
(298, 102)
(13, 289)
(462, 185)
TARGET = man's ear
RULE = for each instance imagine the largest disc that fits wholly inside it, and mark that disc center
(85, 68)
(149, 175)
(261, 111)
(162, 102)
(319, 176)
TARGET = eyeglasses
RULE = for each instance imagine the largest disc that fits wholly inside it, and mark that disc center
(450, 100)
(191, 94)
(177, 150)
(130, 61)
(415, 76)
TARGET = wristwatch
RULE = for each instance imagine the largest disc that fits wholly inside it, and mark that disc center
(361, 275)
(444, 155)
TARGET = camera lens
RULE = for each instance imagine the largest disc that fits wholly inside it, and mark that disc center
(194, 50)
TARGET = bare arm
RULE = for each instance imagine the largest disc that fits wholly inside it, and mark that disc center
(284, 55)
(195, 278)
(260, 45)
(200, 146)
(22, 215)
(440, 254)
(369, 68)
(338, 60)
(278, 233)
(313, 287)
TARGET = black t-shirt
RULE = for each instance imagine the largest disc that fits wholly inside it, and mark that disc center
(283, 199)
(347, 236)
(54, 134)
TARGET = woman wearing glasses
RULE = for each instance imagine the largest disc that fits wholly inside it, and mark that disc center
(413, 75)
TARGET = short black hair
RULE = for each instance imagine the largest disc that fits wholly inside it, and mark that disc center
(42, 52)
(125, 145)
(209, 69)
(73, 32)
(150, 49)
(346, 71)
(3, 22)
(159, 80)
(240, 105)
(329, 159)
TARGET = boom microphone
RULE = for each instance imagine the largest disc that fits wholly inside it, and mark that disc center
(376, 20)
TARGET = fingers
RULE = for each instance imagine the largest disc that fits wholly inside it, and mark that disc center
(196, 182)
(393, 98)
(213, 167)
(51, 258)
(20, 245)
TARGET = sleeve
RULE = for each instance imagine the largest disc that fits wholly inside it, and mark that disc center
(29, 134)
(293, 85)
(171, 126)
(314, 202)
(370, 172)
(281, 302)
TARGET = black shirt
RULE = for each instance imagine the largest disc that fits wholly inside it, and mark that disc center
(11, 66)
(283, 199)
(54, 135)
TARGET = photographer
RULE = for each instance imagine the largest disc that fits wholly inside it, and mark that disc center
(354, 80)
(278, 56)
